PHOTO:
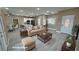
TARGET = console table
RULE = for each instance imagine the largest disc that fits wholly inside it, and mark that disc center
(72, 48)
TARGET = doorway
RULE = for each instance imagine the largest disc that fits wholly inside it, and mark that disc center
(15, 23)
(67, 24)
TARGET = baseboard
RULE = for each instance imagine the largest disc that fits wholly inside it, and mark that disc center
(59, 31)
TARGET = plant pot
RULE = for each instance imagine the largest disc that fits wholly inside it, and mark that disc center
(68, 44)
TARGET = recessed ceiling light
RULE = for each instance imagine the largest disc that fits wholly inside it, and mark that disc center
(47, 11)
(7, 8)
(21, 10)
(38, 9)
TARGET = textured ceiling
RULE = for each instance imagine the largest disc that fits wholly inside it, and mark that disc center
(32, 11)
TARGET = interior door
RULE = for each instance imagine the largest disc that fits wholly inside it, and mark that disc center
(3, 45)
(67, 24)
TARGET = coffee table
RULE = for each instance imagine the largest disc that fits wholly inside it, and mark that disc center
(45, 37)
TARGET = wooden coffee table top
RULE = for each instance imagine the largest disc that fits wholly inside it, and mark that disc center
(45, 35)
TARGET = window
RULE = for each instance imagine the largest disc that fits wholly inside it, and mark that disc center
(44, 20)
(27, 20)
(39, 20)
(52, 20)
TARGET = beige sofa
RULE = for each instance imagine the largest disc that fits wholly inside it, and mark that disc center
(36, 30)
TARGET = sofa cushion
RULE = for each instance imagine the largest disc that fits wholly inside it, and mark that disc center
(37, 30)
(35, 27)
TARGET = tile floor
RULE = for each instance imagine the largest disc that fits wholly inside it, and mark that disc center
(54, 44)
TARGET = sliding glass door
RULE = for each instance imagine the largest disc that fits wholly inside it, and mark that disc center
(67, 24)
(51, 23)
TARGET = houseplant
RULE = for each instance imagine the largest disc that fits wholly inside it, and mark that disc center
(69, 41)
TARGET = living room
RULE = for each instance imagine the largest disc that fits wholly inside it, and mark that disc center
(39, 28)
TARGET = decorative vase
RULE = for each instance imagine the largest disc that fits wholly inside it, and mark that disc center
(68, 44)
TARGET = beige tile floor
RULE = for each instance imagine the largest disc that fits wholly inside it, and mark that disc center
(54, 44)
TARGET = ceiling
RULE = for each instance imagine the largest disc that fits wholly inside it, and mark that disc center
(34, 11)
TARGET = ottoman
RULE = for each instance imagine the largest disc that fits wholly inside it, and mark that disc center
(28, 43)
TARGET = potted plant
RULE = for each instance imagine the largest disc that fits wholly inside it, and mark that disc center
(69, 41)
